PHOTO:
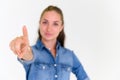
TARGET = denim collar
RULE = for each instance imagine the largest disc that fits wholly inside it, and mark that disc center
(41, 46)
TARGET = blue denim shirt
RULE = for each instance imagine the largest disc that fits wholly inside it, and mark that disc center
(44, 66)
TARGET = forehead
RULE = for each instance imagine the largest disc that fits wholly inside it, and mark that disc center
(51, 15)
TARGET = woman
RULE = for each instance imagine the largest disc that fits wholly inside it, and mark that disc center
(48, 59)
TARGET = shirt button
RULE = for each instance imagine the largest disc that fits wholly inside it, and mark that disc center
(57, 55)
(56, 76)
(68, 69)
(43, 67)
(55, 65)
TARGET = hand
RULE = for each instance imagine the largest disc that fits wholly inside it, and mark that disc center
(20, 46)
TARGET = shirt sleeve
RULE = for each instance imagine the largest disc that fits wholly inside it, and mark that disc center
(27, 62)
(78, 69)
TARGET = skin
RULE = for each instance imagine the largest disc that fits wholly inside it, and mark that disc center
(50, 27)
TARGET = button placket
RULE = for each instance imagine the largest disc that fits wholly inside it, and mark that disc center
(55, 67)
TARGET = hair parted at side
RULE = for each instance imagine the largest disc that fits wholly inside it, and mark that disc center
(61, 36)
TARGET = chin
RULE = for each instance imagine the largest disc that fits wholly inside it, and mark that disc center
(49, 39)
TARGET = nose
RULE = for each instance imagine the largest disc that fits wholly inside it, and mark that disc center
(49, 27)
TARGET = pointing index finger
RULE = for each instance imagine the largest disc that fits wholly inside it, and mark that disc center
(25, 33)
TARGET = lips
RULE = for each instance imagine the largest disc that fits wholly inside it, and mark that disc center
(48, 34)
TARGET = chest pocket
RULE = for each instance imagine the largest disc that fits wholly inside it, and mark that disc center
(42, 66)
(43, 71)
(65, 72)
(66, 68)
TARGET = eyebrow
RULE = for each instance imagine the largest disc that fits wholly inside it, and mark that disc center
(48, 20)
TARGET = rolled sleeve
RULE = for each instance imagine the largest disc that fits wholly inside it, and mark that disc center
(78, 69)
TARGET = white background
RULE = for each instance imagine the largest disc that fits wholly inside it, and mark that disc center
(92, 28)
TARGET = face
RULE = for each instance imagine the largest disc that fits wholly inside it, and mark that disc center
(50, 25)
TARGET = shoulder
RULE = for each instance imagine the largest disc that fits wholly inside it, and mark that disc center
(38, 45)
(67, 50)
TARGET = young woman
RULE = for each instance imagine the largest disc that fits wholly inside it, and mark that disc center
(48, 59)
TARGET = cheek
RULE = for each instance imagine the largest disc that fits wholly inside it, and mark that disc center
(42, 29)
(57, 32)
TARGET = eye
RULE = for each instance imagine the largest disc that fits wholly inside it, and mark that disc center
(55, 24)
(44, 22)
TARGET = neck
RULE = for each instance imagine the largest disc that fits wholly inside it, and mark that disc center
(49, 44)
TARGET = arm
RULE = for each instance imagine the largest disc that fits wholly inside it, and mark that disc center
(78, 69)
(20, 46)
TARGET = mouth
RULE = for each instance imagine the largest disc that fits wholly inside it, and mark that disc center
(48, 34)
